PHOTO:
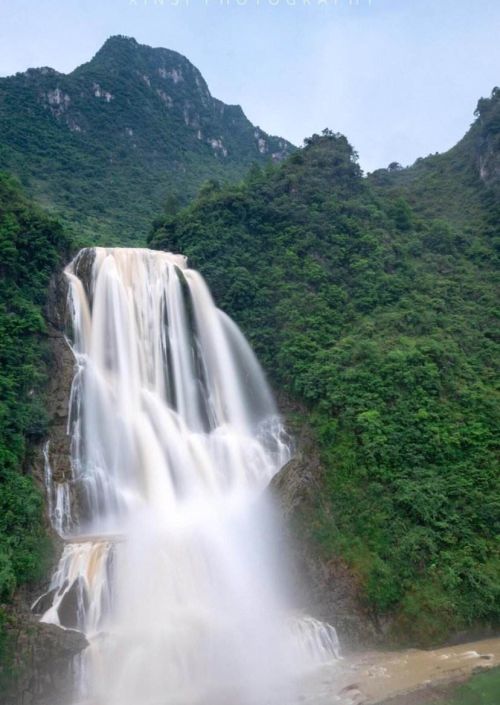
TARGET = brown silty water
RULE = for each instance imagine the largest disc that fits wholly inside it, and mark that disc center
(374, 677)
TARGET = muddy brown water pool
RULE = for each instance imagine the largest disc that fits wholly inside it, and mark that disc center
(374, 677)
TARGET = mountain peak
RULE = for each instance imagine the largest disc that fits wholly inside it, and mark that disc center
(120, 50)
(120, 39)
(139, 121)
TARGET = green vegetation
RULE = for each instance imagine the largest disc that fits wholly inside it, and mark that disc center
(378, 313)
(482, 689)
(371, 301)
(104, 145)
(31, 248)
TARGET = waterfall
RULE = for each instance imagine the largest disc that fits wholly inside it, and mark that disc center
(169, 565)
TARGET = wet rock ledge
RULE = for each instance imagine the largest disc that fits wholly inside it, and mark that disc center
(36, 664)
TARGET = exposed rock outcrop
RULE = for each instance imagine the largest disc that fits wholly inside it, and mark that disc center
(325, 586)
(59, 384)
(37, 664)
(487, 139)
(132, 120)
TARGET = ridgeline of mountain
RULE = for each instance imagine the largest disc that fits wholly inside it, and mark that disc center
(462, 183)
(372, 304)
(106, 145)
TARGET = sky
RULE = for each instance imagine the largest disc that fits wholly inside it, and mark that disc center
(400, 78)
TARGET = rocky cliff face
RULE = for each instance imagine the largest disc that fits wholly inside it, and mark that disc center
(59, 386)
(323, 584)
(107, 144)
(40, 659)
(488, 139)
(37, 658)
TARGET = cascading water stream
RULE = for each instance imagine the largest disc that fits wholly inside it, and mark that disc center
(169, 567)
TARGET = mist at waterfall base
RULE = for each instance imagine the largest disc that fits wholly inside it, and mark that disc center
(171, 566)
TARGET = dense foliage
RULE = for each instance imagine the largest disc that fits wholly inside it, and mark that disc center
(482, 689)
(104, 145)
(371, 301)
(380, 317)
(31, 247)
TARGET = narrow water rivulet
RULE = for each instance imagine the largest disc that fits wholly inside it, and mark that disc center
(169, 565)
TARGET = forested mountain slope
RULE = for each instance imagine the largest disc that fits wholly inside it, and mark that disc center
(372, 302)
(463, 183)
(107, 144)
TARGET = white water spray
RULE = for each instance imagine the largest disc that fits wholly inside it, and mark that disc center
(169, 568)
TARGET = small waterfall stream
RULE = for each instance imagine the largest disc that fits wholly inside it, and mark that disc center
(169, 565)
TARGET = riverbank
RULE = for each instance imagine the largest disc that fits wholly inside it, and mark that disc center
(407, 677)
(480, 689)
